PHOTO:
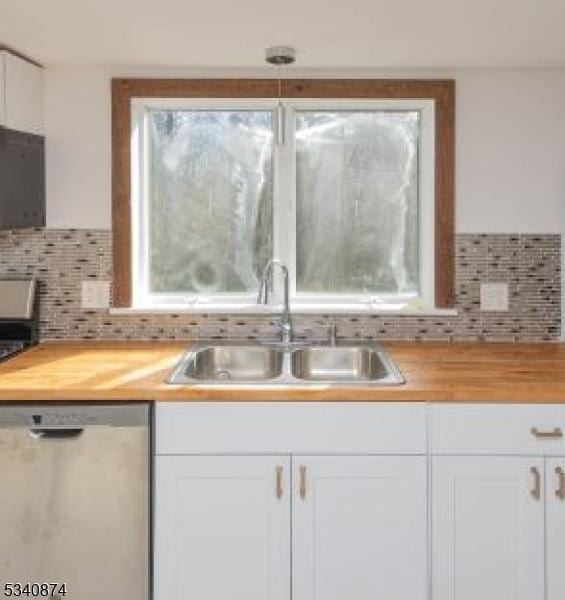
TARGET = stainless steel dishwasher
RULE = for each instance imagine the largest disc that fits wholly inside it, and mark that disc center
(74, 500)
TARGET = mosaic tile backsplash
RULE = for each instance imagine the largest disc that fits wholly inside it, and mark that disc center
(531, 264)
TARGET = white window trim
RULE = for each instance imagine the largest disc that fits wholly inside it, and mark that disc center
(284, 194)
(385, 310)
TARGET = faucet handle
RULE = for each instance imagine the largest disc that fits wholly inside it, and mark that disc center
(261, 293)
(266, 284)
(285, 331)
(332, 333)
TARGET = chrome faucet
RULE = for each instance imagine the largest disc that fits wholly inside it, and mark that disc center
(284, 325)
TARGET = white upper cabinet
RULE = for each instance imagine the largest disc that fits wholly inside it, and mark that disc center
(359, 527)
(21, 94)
(488, 528)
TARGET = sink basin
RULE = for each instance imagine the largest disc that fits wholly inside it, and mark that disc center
(348, 364)
(229, 363)
(298, 363)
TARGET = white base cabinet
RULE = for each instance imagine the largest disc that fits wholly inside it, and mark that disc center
(222, 528)
(281, 523)
(359, 501)
(359, 528)
(555, 532)
(488, 528)
(498, 498)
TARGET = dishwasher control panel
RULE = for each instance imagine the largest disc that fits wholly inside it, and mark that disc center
(62, 419)
(73, 417)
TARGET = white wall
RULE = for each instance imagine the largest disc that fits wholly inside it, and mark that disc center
(511, 152)
(510, 148)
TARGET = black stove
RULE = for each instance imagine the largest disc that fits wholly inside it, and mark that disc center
(11, 348)
(18, 317)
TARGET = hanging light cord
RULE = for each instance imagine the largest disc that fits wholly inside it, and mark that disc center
(280, 56)
(280, 109)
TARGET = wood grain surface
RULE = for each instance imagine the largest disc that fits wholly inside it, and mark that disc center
(442, 91)
(440, 372)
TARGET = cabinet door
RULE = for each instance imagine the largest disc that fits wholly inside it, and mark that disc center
(359, 528)
(488, 528)
(23, 95)
(555, 544)
(222, 528)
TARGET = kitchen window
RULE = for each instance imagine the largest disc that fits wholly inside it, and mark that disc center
(341, 190)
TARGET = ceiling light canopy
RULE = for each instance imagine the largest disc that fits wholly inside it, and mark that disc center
(280, 55)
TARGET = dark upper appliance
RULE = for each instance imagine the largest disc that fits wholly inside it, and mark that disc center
(18, 316)
(22, 179)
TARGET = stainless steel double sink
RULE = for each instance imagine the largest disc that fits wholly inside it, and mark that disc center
(295, 363)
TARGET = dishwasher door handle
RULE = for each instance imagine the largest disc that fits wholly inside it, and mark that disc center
(55, 434)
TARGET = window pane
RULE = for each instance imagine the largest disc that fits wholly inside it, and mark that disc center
(210, 199)
(357, 202)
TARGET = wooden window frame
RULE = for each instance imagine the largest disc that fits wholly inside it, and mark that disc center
(442, 91)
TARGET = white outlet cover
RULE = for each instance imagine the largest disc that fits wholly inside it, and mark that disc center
(494, 296)
(95, 294)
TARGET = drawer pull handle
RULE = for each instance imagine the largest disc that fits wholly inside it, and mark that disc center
(560, 491)
(279, 489)
(555, 434)
(536, 490)
(303, 483)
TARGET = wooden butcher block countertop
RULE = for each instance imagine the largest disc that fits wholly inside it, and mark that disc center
(441, 372)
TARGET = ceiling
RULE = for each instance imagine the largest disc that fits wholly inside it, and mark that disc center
(375, 34)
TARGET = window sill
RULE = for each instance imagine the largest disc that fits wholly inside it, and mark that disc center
(299, 309)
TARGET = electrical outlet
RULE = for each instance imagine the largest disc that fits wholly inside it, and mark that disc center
(494, 297)
(95, 294)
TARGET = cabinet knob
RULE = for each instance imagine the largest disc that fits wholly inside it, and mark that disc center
(303, 482)
(279, 485)
(560, 491)
(536, 490)
(555, 434)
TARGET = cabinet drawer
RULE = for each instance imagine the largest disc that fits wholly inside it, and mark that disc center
(309, 428)
(498, 429)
